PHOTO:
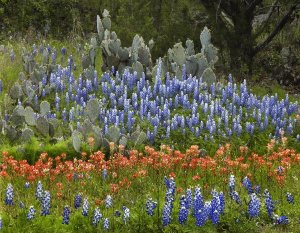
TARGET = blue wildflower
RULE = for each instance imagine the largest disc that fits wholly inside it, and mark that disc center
(66, 215)
(282, 220)
(104, 174)
(9, 195)
(183, 211)
(106, 224)
(46, 203)
(215, 217)
(254, 206)
(289, 198)
(166, 214)
(108, 201)
(189, 198)
(198, 200)
(1, 223)
(231, 183)
(247, 184)
(77, 201)
(202, 215)
(39, 191)
(85, 207)
(27, 185)
(31, 213)
(117, 213)
(126, 215)
(235, 196)
(222, 202)
(150, 206)
(269, 204)
(97, 216)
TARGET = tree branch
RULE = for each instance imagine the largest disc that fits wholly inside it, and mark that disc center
(253, 4)
(277, 29)
(265, 23)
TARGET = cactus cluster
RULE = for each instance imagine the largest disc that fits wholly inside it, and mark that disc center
(138, 56)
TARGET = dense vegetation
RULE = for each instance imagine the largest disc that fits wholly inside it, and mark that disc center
(97, 135)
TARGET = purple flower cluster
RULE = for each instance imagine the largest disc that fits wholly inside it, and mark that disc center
(216, 111)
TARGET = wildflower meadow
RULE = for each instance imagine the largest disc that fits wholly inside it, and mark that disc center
(96, 137)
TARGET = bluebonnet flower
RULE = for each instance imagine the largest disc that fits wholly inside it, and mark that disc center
(126, 215)
(269, 204)
(39, 191)
(215, 217)
(247, 184)
(189, 198)
(117, 213)
(150, 206)
(1, 223)
(183, 211)
(198, 200)
(108, 201)
(166, 214)
(63, 51)
(9, 195)
(254, 206)
(257, 189)
(280, 170)
(201, 215)
(106, 224)
(85, 207)
(27, 185)
(104, 174)
(46, 200)
(222, 202)
(282, 220)
(77, 201)
(97, 216)
(289, 198)
(231, 183)
(31, 213)
(66, 215)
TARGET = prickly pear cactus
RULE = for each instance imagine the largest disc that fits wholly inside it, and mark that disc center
(17, 117)
(138, 67)
(44, 108)
(211, 54)
(113, 134)
(93, 109)
(209, 76)
(87, 128)
(205, 37)
(42, 125)
(202, 64)
(138, 138)
(76, 139)
(179, 54)
(98, 136)
(123, 141)
(100, 28)
(16, 91)
(27, 134)
(189, 47)
(11, 133)
(29, 116)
